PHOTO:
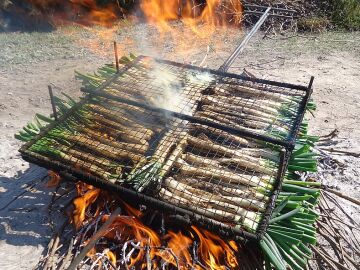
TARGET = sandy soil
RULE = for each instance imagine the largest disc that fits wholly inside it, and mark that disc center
(30, 61)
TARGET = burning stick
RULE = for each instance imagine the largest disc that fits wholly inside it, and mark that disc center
(94, 239)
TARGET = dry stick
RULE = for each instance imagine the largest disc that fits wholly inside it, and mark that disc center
(337, 236)
(350, 242)
(341, 221)
(94, 239)
(339, 206)
(331, 135)
(332, 150)
(148, 259)
(324, 257)
(55, 246)
(68, 255)
(336, 246)
(338, 264)
(331, 226)
(351, 199)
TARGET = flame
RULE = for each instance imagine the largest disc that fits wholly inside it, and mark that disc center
(90, 12)
(199, 23)
(54, 179)
(174, 248)
(195, 27)
(82, 12)
(212, 248)
(160, 13)
(88, 195)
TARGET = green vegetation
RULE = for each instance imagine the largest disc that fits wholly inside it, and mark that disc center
(346, 14)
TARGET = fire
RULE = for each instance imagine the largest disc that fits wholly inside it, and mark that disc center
(214, 13)
(90, 12)
(82, 12)
(137, 245)
(185, 24)
(89, 195)
(54, 179)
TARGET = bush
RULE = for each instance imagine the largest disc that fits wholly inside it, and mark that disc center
(346, 13)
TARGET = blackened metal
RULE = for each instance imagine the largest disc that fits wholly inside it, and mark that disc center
(300, 115)
(52, 102)
(192, 119)
(231, 75)
(264, 224)
(311, 83)
(224, 67)
(74, 174)
(116, 57)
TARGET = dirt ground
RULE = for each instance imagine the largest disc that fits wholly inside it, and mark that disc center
(31, 61)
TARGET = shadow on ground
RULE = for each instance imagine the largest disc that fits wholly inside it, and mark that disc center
(23, 208)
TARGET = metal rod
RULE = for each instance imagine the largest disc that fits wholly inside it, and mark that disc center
(301, 113)
(52, 102)
(229, 75)
(264, 224)
(224, 67)
(116, 57)
(311, 83)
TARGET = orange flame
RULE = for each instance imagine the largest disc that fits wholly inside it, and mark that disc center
(213, 252)
(198, 23)
(54, 179)
(82, 12)
(88, 195)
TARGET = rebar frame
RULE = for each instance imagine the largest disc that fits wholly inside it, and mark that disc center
(211, 143)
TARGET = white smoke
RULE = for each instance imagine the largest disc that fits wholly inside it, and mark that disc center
(175, 92)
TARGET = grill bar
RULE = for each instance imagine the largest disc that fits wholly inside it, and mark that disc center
(230, 75)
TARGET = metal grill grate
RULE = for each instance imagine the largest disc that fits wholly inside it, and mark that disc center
(192, 141)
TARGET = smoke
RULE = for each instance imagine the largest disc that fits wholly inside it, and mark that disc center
(177, 92)
(169, 94)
